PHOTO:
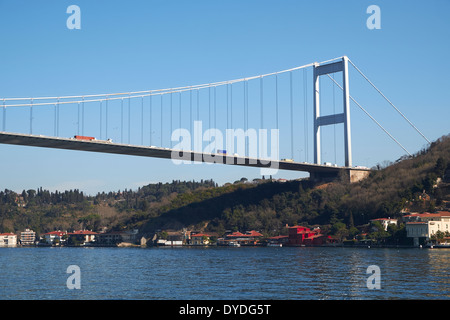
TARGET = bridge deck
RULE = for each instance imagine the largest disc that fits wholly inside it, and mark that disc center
(164, 153)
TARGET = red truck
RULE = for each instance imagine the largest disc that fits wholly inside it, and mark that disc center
(84, 138)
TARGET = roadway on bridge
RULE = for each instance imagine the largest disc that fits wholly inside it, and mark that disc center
(164, 153)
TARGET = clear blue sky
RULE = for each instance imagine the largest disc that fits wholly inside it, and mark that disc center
(140, 45)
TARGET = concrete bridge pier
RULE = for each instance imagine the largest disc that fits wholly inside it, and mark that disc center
(351, 175)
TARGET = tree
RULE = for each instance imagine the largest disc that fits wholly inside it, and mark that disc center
(91, 221)
(163, 235)
(25, 196)
(144, 205)
(379, 233)
(440, 167)
(429, 182)
(339, 230)
(398, 235)
(438, 236)
(31, 194)
(73, 240)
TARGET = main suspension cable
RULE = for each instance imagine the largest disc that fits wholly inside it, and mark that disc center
(379, 91)
(370, 116)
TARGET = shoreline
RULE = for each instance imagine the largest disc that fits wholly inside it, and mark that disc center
(129, 245)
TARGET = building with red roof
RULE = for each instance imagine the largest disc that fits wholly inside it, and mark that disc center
(8, 239)
(423, 226)
(83, 236)
(236, 234)
(54, 236)
(200, 239)
(249, 238)
(426, 216)
(302, 236)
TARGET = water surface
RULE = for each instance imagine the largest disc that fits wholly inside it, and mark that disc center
(224, 273)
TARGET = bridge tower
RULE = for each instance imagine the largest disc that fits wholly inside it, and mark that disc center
(344, 117)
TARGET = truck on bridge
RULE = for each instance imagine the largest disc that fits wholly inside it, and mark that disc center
(84, 138)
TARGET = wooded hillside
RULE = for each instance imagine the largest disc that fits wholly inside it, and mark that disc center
(418, 183)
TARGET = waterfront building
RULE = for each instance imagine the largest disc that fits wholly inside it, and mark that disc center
(249, 238)
(109, 238)
(130, 235)
(300, 236)
(278, 240)
(422, 226)
(83, 236)
(116, 237)
(8, 240)
(186, 235)
(170, 243)
(27, 237)
(200, 239)
(54, 237)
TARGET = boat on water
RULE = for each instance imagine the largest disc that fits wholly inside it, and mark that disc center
(439, 245)
(233, 244)
(274, 245)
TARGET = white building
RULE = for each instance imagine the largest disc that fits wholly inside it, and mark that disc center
(200, 239)
(50, 237)
(84, 236)
(425, 225)
(27, 237)
(8, 240)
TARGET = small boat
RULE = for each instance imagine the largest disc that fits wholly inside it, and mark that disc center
(233, 244)
(439, 245)
(274, 245)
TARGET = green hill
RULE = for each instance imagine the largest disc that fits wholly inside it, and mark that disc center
(269, 206)
(417, 183)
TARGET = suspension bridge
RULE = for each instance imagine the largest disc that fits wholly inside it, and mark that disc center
(287, 103)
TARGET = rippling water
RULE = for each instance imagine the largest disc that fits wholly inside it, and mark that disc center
(224, 273)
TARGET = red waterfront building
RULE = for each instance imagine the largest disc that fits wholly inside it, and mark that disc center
(299, 235)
